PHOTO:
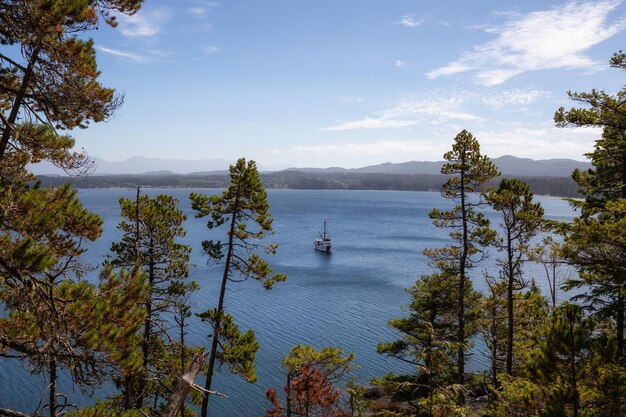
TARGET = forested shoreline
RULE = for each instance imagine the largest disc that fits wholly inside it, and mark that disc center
(550, 186)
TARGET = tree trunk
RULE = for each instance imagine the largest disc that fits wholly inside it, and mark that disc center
(288, 397)
(573, 381)
(17, 103)
(509, 305)
(147, 327)
(53, 388)
(182, 353)
(220, 308)
(620, 326)
(461, 301)
(494, 349)
(184, 386)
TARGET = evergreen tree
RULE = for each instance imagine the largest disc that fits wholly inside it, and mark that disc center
(597, 246)
(243, 208)
(531, 311)
(151, 227)
(521, 220)
(603, 187)
(567, 358)
(49, 84)
(428, 335)
(55, 83)
(468, 172)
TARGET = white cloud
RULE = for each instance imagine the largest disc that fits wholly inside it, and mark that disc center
(554, 38)
(202, 9)
(209, 49)
(442, 107)
(143, 24)
(410, 22)
(433, 109)
(400, 64)
(386, 147)
(513, 97)
(123, 54)
(342, 98)
(369, 123)
(538, 142)
(141, 57)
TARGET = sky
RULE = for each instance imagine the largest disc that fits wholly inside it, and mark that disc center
(353, 82)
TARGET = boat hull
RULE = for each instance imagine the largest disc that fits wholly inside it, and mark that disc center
(322, 246)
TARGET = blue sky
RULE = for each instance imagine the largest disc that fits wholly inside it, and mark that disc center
(352, 82)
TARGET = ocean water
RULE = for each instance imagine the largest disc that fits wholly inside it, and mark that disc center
(344, 299)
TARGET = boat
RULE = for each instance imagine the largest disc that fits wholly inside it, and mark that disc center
(323, 244)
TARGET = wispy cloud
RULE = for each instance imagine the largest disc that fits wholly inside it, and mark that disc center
(515, 97)
(443, 106)
(400, 64)
(143, 24)
(202, 9)
(386, 147)
(544, 141)
(435, 108)
(123, 54)
(549, 39)
(140, 57)
(344, 98)
(208, 50)
(369, 123)
(409, 21)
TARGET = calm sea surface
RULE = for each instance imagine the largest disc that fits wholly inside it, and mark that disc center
(344, 299)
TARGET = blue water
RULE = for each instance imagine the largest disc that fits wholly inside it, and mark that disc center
(344, 299)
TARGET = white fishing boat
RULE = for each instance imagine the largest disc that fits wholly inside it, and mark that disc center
(323, 244)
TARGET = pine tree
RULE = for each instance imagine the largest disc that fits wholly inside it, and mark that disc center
(55, 83)
(49, 85)
(469, 171)
(243, 208)
(521, 221)
(151, 228)
(597, 246)
(602, 186)
(567, 358)
(428, 335)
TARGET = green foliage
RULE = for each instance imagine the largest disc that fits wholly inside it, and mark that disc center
(428, 333)
(151, 227)
(604, 189)
(601, 109)
(518, 397)
(356, 402)
(329, 360)
(243, 209)
(50, 84)
(521, 221)
(568, 358)
(468, 172)
(242, 206)
(237, 349)
(55, 83)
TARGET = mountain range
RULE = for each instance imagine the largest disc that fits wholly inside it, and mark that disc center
(508, 165)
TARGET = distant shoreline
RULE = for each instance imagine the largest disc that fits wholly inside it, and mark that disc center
(540, 185)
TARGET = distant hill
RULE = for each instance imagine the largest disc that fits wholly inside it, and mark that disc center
(508, 165)
(141, 165)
